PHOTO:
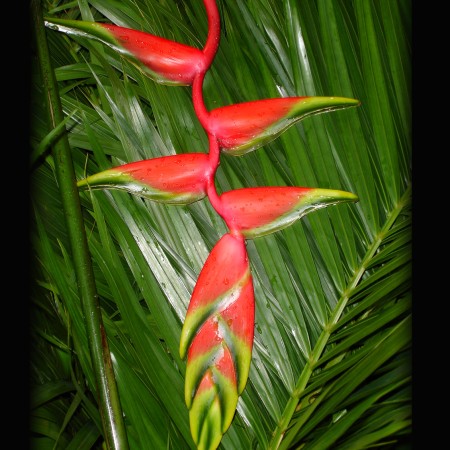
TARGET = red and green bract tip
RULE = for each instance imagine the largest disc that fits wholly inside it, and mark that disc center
(163, 60)
(244, 127)
(258, 211)
(175, 179)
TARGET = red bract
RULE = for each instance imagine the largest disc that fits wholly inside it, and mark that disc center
(165, 61)
(174, 179)
(169, 62)
(258, 211)
(218, 336)
(243, 127)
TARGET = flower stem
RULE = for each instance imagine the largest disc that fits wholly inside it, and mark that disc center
(197, 99)
(211, 187)
(109, 404)
(213, 39)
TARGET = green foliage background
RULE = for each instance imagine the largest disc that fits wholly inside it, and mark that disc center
(332, 350)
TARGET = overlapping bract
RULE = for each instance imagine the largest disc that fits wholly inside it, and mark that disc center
(218, 336)
(218, 330)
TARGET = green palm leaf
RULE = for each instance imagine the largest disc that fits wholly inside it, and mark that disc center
(331, 358)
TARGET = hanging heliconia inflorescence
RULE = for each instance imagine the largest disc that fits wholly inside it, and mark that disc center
(217, 335)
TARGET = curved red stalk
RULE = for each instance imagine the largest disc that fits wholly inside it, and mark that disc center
(197, 99)
(213, 39)
(214, 153)
(209, 51)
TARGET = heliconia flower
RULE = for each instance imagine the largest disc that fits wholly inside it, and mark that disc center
(174, 179)
(217, 337)
(244, 127)
(258, 211)
(165, 61)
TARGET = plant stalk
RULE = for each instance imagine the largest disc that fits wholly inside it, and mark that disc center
(110, 409)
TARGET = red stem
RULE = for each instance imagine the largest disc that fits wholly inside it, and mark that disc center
(211, 187)
(197, 99)
(214, 152)
(210, 50)
(214, 198)
(213, 39)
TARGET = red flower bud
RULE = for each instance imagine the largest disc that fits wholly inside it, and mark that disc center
(218, 337)
(174, 179)
(165, 61)
(243, 127)
(258, 211)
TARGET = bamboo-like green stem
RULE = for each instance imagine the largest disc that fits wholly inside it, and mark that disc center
(108, 398)
(324, 337)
